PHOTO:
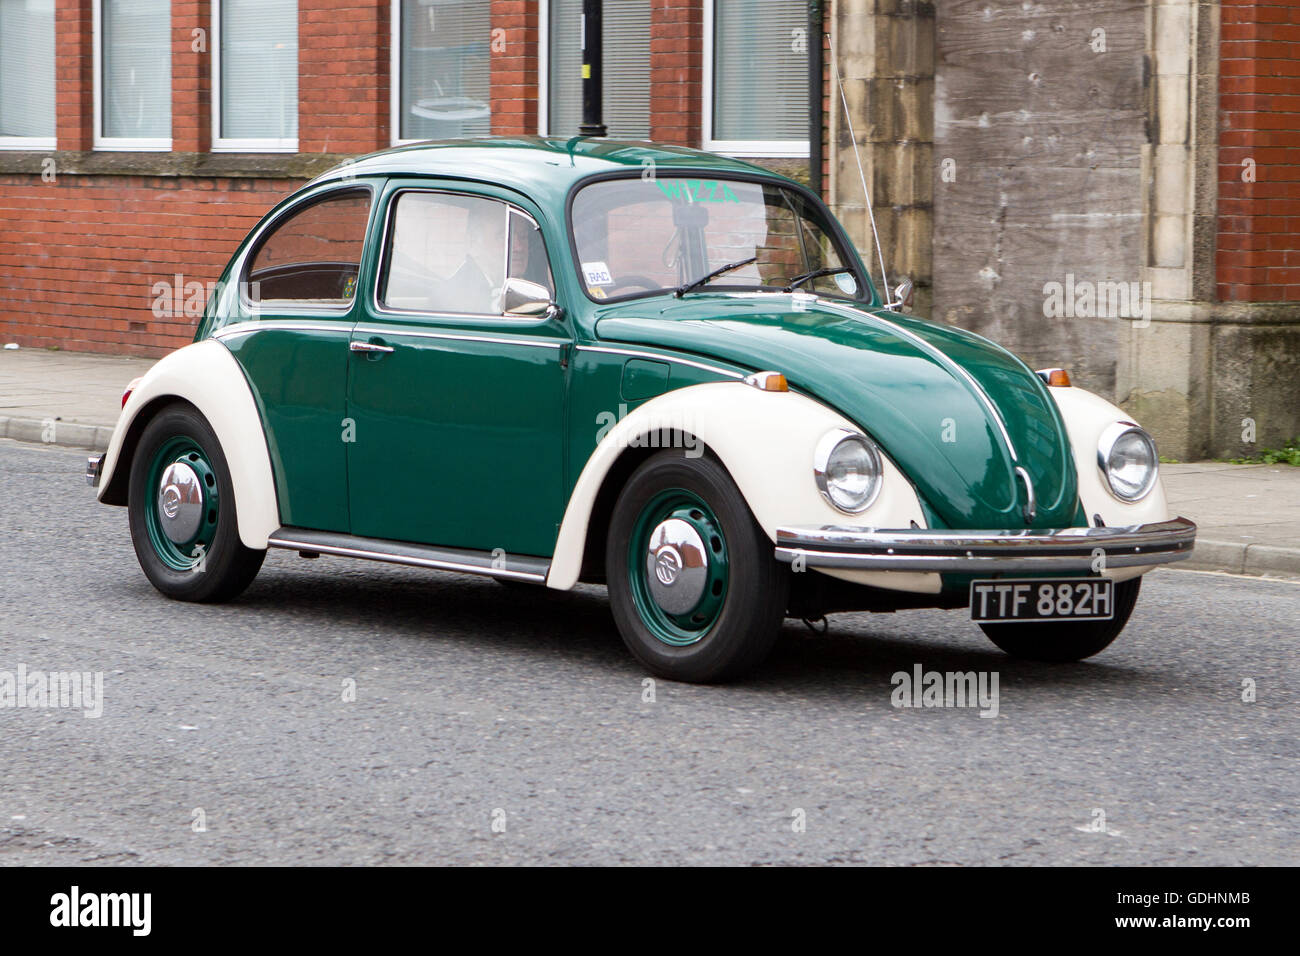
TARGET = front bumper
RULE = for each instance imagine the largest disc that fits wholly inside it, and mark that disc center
(976, 552)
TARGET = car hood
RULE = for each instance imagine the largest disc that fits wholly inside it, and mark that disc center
(957, 413)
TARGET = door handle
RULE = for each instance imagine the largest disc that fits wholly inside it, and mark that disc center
(355, 346)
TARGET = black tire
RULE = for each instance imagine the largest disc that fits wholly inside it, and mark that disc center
(224, 567)
(1061, 642)
(746, 615)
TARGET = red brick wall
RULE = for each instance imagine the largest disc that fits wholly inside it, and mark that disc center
(343, 66)
(1258, 252)
(73, 55)
(676, 53)
(514, 66)
(80, 256)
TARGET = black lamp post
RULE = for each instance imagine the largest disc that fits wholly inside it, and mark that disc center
(592, 68)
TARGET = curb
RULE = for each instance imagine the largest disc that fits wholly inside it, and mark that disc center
(56, 432)
(1236, 557)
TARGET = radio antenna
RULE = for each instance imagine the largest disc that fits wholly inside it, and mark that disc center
(886, 294)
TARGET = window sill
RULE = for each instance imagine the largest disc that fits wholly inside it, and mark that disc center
(200, 165)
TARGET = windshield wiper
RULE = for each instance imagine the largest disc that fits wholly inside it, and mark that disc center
(729, 267)
(815, 274)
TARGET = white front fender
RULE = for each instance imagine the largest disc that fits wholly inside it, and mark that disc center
(766, 440)
(207, 376)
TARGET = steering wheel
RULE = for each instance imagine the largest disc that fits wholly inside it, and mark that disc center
(644, 282)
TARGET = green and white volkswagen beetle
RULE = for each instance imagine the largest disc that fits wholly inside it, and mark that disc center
(554, 361)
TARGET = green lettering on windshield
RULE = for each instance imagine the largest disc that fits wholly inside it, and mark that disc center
(697, 190)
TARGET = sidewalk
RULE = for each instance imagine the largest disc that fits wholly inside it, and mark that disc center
(1249, 515)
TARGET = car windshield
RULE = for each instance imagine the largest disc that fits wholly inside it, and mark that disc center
(648, 235)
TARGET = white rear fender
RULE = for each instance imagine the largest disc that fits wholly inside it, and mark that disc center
(766, 441)
(207, 376)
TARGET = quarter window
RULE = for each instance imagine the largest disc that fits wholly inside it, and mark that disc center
(314, 256)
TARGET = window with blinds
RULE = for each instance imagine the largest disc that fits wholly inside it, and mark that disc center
(27, 73)
(256, 74)
(443, 51)
(626, 79)
(135, 73)
(760, 74)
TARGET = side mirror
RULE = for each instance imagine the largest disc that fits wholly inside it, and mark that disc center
(521, 297)
(903, 295)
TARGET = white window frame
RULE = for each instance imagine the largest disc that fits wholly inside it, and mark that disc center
(115, 143)
(395, 78)
(543, 67)
(235, 144)
(765, 148)
(33, 143)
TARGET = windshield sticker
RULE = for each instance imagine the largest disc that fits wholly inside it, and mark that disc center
(696, 190)
(597, 273)
(848, 285)
(596, 291)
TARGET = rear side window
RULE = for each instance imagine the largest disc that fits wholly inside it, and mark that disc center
(313, 256)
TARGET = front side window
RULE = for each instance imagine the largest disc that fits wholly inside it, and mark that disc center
(312, 257)
(27, 74)
(635, 236)
(758, 103)
(452, 254)
(133, 74)
(626, 80)
(441, 54)
(255, 75)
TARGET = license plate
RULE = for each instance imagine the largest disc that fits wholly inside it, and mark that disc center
(1041, 599)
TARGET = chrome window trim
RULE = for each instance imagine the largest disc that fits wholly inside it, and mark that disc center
(381, 309)
(282, 325)
(540, 342)
(291, 306)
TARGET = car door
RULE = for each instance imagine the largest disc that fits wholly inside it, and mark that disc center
(458, 406)
(297, 306)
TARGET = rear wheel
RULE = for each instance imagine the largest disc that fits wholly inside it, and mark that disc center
(695, 589)
(181, 506)
(1062, 641)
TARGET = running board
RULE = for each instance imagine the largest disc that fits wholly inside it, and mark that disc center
(510, 567)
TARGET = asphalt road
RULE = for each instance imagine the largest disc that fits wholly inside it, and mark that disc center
(479, 704)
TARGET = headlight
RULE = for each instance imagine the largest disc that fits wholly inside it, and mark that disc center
(1127, 457)
(847, 469)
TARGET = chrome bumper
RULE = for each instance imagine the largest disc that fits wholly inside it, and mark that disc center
(94, 467)
(976, 552)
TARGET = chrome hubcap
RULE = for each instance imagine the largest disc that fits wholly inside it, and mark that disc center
(677, 566)
(180, 502)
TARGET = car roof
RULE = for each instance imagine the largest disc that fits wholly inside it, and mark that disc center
(537, 166)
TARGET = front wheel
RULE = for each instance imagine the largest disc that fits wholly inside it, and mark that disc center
(693, 583)
(181, 507)
(1064, 641)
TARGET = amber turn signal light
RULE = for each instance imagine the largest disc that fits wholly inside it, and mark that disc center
(1054, 377)
(768, 382)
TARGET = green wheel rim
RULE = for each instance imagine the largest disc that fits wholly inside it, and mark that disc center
(190, 553)
(683, 628)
